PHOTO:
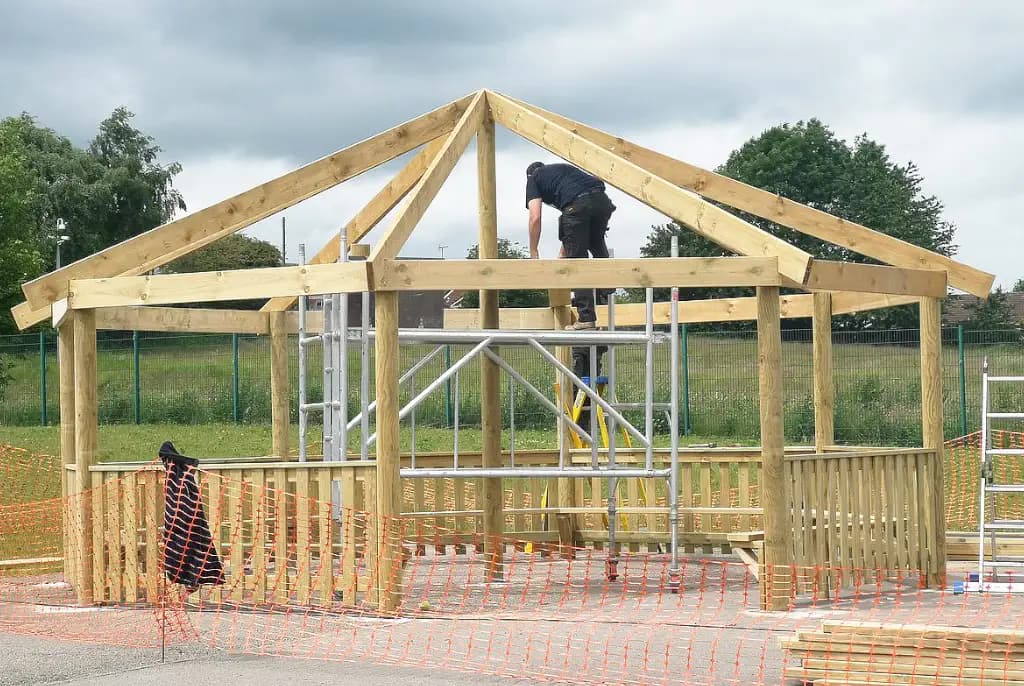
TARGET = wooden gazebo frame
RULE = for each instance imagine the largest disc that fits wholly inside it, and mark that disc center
(108, 290)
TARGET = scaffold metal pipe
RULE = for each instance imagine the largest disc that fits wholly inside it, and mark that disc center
(303, 409)
(594, 397)
(535, 473)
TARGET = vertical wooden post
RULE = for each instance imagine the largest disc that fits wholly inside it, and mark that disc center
(490, 374)
(389, 488)
(279, 415)
(562, 313)
(85, 429)
(69, 485)
(774, 494)
(824, 383)
(931, 430)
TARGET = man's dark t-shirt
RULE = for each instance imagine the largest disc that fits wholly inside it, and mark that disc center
(559, 184)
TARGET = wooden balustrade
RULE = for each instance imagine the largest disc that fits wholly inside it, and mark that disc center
(273, 525)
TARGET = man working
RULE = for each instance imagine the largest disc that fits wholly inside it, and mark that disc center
(585, 208)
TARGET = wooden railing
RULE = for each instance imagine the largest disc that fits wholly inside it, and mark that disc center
(865, 511)
(273, 526)
(271, 523)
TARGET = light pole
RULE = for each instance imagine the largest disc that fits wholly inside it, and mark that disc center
(61, 238)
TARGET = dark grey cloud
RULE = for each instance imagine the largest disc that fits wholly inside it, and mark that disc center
(265, 80)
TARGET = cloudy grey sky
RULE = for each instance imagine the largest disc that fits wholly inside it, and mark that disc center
(241, 91)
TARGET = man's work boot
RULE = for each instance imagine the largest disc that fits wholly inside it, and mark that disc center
(581, 326)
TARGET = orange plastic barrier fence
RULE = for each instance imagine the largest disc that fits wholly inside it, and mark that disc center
(305, 577)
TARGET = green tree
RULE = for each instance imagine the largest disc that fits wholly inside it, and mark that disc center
(20, 250)
(507, 250)
(994, 313)
(1019, 286)
(140, 192)
(231, 252)
(107, 192)
(859, 182)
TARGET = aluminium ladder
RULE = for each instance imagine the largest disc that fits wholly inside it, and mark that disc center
(990, 493)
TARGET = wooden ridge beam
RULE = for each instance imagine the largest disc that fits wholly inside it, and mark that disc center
(370, 215)
(826, 275)
(430, 182)
(159, 246)
(239, 284)
(191, 320)
(782, 211)
(710, 221)
(405, 275)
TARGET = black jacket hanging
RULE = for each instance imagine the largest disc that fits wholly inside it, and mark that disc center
(190, 558)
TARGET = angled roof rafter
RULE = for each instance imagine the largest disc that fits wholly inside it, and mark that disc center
(370, 215)
(782, 211)
(110, 277)
(430, 183)
(684, 206)
(181, 236)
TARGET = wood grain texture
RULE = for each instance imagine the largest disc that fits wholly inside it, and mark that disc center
(695, 272)
(780, 210)
(239, 284)
(191, 320)
(177, 238)
(490, 374)
(425, 190)
(774, 492)
(369, 216)
(712, 222)
(824, 384)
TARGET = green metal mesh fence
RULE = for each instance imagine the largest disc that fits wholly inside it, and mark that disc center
(206, 378)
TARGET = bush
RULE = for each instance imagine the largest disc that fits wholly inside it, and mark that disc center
(5, 374)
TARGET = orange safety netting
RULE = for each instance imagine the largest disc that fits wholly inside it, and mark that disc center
(305, 578)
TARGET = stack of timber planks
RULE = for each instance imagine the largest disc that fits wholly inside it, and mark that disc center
(848, 653)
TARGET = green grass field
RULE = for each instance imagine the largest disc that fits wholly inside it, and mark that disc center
(188, 380)
(129, 442)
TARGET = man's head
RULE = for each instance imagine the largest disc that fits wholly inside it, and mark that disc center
(532, 169)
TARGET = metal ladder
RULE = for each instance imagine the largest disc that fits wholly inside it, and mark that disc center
(989, 493)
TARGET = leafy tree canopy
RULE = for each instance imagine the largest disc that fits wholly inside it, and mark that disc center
(1019, 286)
(507, 250)
(111, 190)
(231, 252)
(859, 182)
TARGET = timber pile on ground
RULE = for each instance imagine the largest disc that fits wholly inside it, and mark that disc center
(861, 653)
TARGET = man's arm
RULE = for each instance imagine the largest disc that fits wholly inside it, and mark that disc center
(535, 207)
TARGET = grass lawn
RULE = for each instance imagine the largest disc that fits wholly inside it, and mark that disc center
(131, 442)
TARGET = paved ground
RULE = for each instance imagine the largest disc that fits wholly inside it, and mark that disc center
(31, 660)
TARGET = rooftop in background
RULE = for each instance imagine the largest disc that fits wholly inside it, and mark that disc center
(957, 308)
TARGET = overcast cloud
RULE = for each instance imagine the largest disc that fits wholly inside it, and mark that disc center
(240, 92)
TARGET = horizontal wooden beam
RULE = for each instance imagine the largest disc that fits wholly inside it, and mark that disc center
(190, 320)
(782, 211)
(690, 272)
(852, 303)
(166, 289)
(707, 219)
(690, 311)
(870, 278)
(515, 318)
(389, 245)
(369, 216)
(25, 315)
(172, 240)
(314, 322)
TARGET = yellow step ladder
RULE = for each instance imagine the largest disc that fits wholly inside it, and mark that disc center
(574, 412)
